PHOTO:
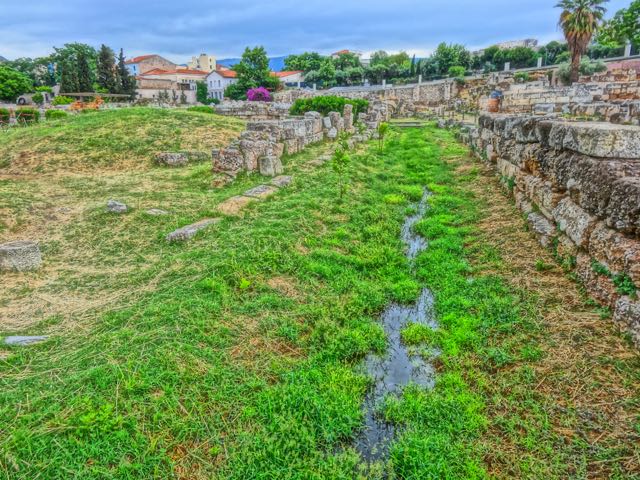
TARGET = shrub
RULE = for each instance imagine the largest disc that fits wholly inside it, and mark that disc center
(5, 115)
(259, 94)
(62, 100)
(326, 104)
(44, 89)
(201, 109)
(37, 98)
(457, 71)
(27, 115)
(521, 77)
(587, 67)
(213, 101)
(13, 84)
(55, 114)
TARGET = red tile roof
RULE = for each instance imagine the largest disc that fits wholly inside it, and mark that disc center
(341, 52)
(286, 73)
(225, 72)
(181, 71)
(139, 59)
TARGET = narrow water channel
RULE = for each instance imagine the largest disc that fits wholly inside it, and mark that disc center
(399, 366)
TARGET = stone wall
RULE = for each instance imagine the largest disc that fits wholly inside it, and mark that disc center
(254, 110)
(264, 142)
(578, 183)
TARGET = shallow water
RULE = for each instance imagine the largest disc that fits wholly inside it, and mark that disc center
(399, 366)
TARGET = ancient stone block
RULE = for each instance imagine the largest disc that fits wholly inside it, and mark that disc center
(326, 123)
(627, 314)
(602, 140)
(20, 256)
(229, 159)
(347, 115)
(261, 191)
(116, 207)
(522, 202)
(282, 181)
(623, 211)
(172, 159)
(23, 341)
(599, 286)
(617, 252)
(270, 165)
(188, 232)
(156, 212)
(574, 221)
(332, 134)
(542, 227)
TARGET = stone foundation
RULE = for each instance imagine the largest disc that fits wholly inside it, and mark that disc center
(264, 142)
(579, 185)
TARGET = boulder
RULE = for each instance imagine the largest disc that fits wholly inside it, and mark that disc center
(261, 191)
(627, 314)
(20, 256)
(172, 159)
(282, 181)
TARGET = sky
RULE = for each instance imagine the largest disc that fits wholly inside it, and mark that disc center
(180, 29)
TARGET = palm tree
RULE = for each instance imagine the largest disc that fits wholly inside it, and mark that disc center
(579, 20)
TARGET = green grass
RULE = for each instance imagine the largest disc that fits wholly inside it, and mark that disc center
(237, 357)
(119, 138)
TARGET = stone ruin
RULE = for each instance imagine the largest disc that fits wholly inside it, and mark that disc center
(261, 146)
(578, 183)
(20, 256)
(254, 110)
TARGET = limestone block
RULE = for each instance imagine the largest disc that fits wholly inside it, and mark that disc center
(229, 159)
(261, 191)
(156, 212)
(282, 181)
(116, 207)
(599, 286)
(565, 247)
(602, 140)
(20, 256)
(507, 169)
(270, 166)
(172, 159)
(616, 251)
(332, 134)
(627, 314)
(542, 227)
(347, 115)
(574, 221)
(188, 232)
(623, 211)
(326, 122)
(522, 202)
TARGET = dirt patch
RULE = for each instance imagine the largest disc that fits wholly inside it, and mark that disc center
(284, 285)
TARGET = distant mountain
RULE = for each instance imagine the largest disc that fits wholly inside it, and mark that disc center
(276, 64)
(2, 59)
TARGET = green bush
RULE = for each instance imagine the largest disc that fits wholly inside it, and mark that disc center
(201, 109)
(44, 89)
(37, 98)
(521, 77)
(587, 67)
(5, 114)
(457, 71)
(326, 104)
(62, 100)
(27, 115)
(55, 114)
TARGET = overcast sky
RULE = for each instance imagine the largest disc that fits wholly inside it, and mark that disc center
(179, 29)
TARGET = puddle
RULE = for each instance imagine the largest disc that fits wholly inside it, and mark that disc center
(400, 365)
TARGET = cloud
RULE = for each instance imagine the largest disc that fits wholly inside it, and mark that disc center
(224, 27)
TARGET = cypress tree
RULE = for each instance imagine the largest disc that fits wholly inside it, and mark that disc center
(68, 78)
(107, 69)
(84, 73)
(127, 84)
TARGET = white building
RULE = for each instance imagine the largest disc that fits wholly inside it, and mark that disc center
(291, 78)
(218, 80)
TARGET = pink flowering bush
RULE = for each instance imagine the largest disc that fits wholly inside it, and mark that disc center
(259, 94)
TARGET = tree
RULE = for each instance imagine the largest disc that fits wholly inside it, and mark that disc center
(551, 51)
(125, 82)
(106, 77)
(579, 21)
(41, 69)
(69, 55)
(518, 57)
(447, 56)
(346, 60)
(202, 92)
(85, 77)
(306, 61)
(68, 77)
(13, 83)
(622, 28)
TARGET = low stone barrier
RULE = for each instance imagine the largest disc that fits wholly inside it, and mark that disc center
(254, 110)
(579, 185)
(264, 142)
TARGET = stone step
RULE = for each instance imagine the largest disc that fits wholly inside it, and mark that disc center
(260, 192)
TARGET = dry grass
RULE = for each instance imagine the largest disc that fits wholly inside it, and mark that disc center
(582, 367)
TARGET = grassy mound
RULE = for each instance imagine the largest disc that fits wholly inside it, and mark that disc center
(120, 139)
